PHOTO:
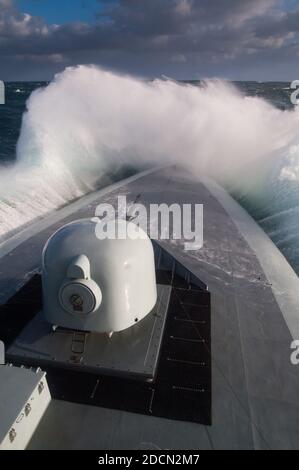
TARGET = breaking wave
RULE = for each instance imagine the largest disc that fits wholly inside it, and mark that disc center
(87, 122)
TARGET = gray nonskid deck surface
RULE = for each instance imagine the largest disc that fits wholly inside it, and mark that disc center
(255, 388)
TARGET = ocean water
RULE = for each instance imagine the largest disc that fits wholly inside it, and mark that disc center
(11, 117)
(58, 140)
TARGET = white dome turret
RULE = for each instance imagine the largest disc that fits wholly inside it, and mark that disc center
(98, 285)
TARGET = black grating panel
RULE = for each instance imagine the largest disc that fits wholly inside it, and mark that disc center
(20, 309)
(182, 388)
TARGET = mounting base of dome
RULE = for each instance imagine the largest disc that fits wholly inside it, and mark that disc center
(131, 353)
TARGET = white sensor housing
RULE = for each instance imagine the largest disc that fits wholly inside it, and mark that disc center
(98, 285)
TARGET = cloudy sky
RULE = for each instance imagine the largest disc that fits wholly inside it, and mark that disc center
(234, 39)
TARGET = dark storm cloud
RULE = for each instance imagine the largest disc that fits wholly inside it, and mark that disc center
(156, 36)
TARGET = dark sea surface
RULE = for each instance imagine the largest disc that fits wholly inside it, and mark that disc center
(272, 213)
(11, 116)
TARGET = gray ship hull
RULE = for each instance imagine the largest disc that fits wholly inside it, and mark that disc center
(255, 317)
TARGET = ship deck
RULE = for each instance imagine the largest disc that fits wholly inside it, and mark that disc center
(254, 318)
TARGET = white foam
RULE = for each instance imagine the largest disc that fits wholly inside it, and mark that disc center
(89, 120)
